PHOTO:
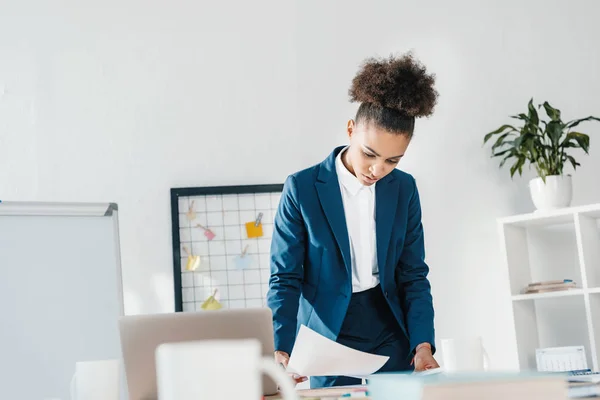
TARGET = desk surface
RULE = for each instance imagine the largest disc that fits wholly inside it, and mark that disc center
(340, 391)
(325, 392)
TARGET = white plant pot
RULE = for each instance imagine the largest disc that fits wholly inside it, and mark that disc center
(555, 193)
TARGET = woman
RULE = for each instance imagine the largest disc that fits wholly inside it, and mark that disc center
(347, 255)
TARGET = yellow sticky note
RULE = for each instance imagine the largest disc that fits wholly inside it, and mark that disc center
(211, 303)
(193, 262)
(254, 231)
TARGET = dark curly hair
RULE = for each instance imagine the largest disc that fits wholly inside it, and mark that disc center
(393, 92)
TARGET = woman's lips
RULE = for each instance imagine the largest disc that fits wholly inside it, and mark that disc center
(370, 180)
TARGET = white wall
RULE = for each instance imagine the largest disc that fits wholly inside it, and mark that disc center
(119, 101)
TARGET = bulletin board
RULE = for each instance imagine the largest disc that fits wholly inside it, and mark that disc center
(221, 245)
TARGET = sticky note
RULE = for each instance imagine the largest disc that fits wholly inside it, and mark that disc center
(193, 262)
(243, 262)
(211, 304)
(210, 235)
(254, 231)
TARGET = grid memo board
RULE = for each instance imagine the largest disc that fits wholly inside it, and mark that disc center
(209, 223)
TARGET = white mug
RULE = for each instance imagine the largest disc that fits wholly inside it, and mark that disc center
(217, 369)
(96, 380)
(464, 355)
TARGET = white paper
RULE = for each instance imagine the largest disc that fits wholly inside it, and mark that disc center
(316, 355)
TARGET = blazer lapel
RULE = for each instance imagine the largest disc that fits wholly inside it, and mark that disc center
(330, 197)
(386, 203)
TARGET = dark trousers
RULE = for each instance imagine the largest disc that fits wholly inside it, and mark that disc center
(371, 327)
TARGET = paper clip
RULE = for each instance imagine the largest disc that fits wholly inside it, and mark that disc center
(191, 213)
(258, 219)
(245, 250)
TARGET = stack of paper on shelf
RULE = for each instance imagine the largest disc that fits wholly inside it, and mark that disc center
(550, 286)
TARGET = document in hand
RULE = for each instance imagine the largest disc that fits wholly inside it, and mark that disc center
(316, 355)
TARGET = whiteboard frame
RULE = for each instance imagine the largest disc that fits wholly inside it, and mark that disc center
(37, 208)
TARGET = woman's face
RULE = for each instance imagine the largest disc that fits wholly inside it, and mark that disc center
(373, 152)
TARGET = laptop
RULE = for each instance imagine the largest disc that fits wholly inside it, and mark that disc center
(142, 334)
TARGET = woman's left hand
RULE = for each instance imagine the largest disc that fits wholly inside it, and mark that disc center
(424, 360)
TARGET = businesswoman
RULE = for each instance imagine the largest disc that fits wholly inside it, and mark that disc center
(347, 254)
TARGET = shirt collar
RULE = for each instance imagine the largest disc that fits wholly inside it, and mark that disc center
(349, 181)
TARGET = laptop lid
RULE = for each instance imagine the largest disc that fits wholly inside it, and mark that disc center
(142, 334)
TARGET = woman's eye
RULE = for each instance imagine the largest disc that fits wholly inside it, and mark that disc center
(368, 155)
(393, 161)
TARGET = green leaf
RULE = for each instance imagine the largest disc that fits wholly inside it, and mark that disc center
(505, 158)
(503, 152)
(582, 140)
(573, 162)
(542, 173)
(532, 150)
(519, 141)
(552, 112)
(533, 115)
(575, 122)
(500, 140)
(521, 117)
(555, 131)
(497, 131)
(517, 166)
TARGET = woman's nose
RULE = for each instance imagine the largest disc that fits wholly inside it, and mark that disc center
(375, 170)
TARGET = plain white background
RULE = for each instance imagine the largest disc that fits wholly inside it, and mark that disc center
(122, 100)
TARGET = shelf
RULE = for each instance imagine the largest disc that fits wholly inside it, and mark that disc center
(588, 229)
(548, 246)
(594, 314)
(553, 217)
(551, 322)
(591, 212)
(548, 295)
(541, 253)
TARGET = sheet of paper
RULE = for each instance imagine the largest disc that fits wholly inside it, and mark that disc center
(315, 355)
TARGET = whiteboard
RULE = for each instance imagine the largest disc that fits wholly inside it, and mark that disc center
(60, 294)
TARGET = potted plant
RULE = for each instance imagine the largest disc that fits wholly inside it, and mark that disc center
(545, 145)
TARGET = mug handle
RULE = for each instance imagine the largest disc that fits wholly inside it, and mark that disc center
(486, 360)
(269, 367)
(72, 387)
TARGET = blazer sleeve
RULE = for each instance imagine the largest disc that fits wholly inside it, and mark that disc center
(413, 271)
(287, 259)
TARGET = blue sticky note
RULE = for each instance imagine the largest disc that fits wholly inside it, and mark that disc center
(243, 261)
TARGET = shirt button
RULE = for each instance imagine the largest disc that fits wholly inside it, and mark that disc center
(386, 294)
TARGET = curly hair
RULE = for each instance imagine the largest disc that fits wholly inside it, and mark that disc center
(393, 92)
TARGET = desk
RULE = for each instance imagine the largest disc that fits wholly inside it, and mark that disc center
(552, 390)
(325, 393)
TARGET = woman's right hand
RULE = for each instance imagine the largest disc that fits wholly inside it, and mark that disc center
(281, 357)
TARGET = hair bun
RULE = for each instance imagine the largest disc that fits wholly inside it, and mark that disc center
(400, 83)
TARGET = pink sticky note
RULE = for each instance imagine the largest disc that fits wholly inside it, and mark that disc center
(209, 234)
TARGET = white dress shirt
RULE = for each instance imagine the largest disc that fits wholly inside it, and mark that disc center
(359, 208)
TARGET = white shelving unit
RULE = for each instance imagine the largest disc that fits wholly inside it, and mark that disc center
(561, 244)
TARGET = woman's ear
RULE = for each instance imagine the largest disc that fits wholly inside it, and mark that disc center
(350, 127)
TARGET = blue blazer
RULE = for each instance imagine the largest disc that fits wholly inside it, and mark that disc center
(311, 278)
